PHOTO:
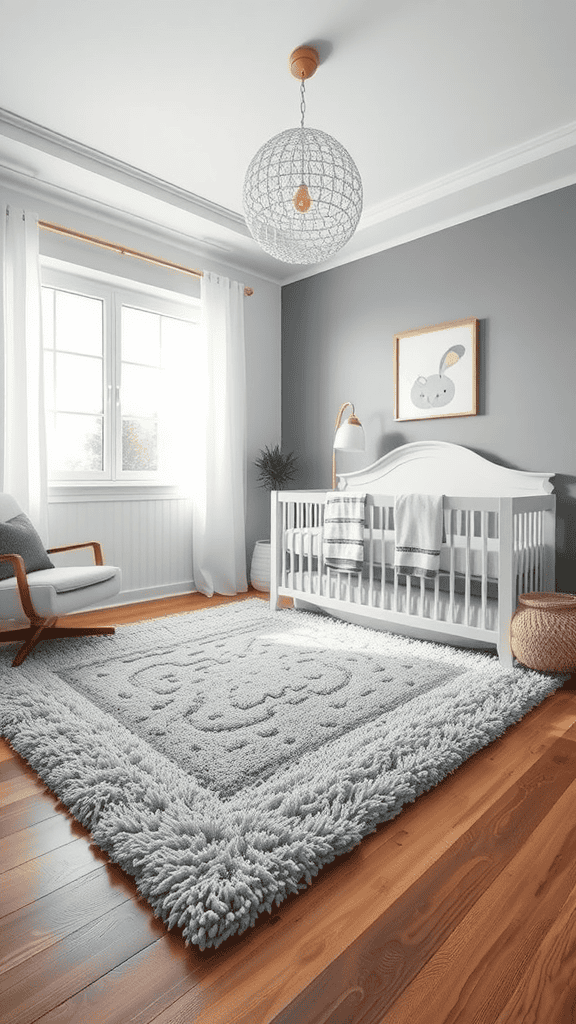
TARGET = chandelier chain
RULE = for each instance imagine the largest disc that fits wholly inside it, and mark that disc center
(302, 102)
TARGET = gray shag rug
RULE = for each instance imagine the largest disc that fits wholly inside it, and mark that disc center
(224, 757)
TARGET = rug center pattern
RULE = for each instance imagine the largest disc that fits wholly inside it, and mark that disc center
(238, 706)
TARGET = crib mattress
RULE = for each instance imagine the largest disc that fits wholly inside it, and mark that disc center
(310, 542)
(357, 594)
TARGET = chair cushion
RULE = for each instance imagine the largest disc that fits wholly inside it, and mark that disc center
(18, 537)
(66, 578)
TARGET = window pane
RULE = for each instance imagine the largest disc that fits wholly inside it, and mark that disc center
(140, 336)
(78, 383)
(78, 323)
(48, 317)
(177, 340)
(139, 444)
(49, 380)
(140, 390)
(75, 442)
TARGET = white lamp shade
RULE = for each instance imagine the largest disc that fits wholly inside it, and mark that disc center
(350, 437)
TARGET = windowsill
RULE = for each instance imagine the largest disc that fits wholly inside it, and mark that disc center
(121, 490)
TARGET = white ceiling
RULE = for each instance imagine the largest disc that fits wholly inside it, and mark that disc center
(450, 108)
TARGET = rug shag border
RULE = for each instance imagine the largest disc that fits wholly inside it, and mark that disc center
(211, 867)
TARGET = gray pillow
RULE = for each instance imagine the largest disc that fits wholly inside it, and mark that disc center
(18, 537)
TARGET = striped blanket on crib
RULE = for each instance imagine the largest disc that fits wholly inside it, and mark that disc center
(343, 538)
(418, 529)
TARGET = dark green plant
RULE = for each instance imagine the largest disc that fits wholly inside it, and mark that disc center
(275, 468)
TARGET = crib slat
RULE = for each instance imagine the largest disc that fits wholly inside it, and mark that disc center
(528, 551)
(300, 547)
(380, 528)
(467, 526)
(539, 550)
(292, 560)
(522, 554)
(283, 581)
(422, 589)
(532, 554)
(371, 554)
(484, 532)
(450, 534)
(519, 580)
(310, 587)
(319, 552)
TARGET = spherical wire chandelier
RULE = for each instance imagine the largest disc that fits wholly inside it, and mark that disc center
(302, 191)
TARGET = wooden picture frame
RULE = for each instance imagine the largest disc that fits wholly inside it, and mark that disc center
(436, 371)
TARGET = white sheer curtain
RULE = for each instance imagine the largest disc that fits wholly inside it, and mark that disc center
(24, 472)
(219, 439)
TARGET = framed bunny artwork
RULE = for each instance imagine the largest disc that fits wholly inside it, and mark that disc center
(436, 371)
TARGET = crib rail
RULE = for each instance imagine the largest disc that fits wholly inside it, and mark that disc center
(493, 550)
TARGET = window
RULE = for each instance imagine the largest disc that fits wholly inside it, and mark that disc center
(118, 371)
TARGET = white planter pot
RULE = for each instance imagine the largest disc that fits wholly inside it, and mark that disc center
(260, 566)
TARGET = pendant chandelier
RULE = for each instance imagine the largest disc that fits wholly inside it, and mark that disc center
(302, 191)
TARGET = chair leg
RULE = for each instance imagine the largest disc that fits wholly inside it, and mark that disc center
(35, 635)
(62, 631)
(49, 631)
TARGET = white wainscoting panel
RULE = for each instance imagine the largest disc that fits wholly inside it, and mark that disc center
(150, 538)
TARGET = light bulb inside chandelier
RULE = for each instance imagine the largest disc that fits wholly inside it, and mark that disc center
(302, 191)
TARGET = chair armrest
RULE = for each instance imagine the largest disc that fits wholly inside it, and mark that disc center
(23, 588)
(98, 558)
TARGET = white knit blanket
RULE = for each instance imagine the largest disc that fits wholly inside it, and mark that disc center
(418, 533)
(343, 538)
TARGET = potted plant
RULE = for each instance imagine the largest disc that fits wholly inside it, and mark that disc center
(275, 471)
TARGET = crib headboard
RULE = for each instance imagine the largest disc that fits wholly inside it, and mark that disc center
(438, 467)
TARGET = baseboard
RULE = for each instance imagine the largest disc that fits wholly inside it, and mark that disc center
(146, 594)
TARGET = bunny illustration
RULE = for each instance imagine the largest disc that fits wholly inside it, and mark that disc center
(438, 389)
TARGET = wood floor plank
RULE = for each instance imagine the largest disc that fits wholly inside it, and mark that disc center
(36, 840)
(510, 925)
(158, 608)
(546, 991)
(6, 752)
(68, 966)
(20, 787)
(29, 811)
(9, 769)
(28, 882)
(136, 991)
(41, 924)
(393, 950)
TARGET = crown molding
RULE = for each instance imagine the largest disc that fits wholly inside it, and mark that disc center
(507, 160)
(20, 129)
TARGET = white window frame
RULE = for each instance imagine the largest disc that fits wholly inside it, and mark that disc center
(115, 292)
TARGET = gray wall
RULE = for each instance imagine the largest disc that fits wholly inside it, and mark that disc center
(516, 271)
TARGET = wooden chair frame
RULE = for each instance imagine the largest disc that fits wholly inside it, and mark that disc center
(43, 628)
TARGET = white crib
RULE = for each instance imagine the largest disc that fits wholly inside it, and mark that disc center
(499, 542)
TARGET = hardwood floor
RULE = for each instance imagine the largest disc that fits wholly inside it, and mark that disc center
(462, 910)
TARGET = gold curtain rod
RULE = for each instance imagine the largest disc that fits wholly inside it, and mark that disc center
(124, 251)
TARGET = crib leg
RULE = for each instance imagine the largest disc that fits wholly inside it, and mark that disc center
(505, 655)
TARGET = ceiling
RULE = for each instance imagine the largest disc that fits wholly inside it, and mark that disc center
(450, 108)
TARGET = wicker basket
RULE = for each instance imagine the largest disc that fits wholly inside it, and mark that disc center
(543, 631)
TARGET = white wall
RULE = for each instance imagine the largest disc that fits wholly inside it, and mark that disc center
(163, 571)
